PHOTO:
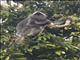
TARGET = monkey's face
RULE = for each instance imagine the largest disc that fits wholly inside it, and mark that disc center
(39, 16)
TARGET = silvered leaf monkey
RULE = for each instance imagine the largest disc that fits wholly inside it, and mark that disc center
(34, 24)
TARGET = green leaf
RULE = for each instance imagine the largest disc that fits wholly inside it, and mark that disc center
(8, 58)
(58, 52)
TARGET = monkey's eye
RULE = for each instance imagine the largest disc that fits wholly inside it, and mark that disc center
(38, 13)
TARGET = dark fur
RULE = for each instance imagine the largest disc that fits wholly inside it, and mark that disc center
(32, 25)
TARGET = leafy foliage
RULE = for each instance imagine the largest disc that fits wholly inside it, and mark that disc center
(52, 44)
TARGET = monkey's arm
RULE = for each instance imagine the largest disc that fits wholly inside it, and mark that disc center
(67, 23)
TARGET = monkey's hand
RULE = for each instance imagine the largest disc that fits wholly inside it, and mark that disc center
(67, 23)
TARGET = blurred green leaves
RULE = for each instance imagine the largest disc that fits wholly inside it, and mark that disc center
(52, 44)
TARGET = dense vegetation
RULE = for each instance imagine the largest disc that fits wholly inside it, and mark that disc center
(52, 44)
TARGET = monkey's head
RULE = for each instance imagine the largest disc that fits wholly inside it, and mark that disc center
(39, 16)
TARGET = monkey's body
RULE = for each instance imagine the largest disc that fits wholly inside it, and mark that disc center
(31, 25)
(34, 24)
